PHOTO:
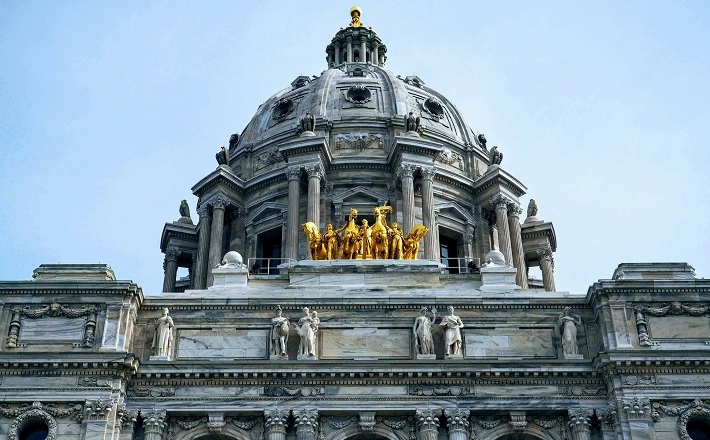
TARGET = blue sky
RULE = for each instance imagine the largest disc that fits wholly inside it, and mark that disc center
(111, 111)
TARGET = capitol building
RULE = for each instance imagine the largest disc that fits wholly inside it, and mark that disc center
(359, 268)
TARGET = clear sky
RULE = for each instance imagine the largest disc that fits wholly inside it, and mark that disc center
(111, 111)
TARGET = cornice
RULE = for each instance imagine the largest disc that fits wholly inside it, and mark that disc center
(499, 177)
(222, 176)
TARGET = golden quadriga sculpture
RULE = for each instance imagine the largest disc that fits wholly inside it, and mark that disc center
(365, 241)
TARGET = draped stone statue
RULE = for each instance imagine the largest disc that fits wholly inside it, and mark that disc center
(307, 328)
(163, 338)
(569, 323)
(452, 327)
(423, 340)
(280, 327)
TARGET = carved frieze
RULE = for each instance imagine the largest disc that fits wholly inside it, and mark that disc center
(449, 157)
(581, 391)
(72, 410)
(150, 392)
(267, 158)
(695, 409)
(53, 311)
(425, 390)
(93, 382)
(633, 380)
(674, 308)
(359, 141)
(291, 392)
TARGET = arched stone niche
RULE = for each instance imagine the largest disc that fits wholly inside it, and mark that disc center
(531, 432)
(353, 432)
(202, 432)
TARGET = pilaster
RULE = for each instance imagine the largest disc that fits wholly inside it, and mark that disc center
(306, 423)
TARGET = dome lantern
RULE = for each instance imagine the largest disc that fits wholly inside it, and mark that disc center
(356, 44)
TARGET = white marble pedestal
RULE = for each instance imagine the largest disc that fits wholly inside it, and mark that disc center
(498, 279)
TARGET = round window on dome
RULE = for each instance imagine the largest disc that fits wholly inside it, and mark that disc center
(435, 107)
(698, 428)
(282, 109)
(358, 94)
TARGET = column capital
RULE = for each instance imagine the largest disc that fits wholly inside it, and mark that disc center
(636, 408)
(457, 419)
(546, 254)
(514, 210)
(406, 170)
(204, 210)
(97, 410)
(306, 419)
(428, 418)
(367, 420)
(518, 420)
(579, 420)
(500, 202)
(293, 173)
(220, 201)
(428, 173)
(276, 418)
(153, 420)
(349, 39)
(314, 170)
(171, 254)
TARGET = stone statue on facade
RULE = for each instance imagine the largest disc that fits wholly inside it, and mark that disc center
(222, 157)
(185, 210)
(569, 323)
(233, 140)
(163, 338)
(308, 123)
(280, 327)
(413, 123)
(307, 329)
(495, 156)
(482, 140)
(532, 208)
(452, 333)
(423, 341)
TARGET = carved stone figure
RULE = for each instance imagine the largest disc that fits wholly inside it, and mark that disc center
(163, 339)
(482, 140)
(308, 123)
(397, 246)
(280, 327)
(569, 324)
(496, 157)
(307, 328)
(184, 209)
(452, 325)
(423, 340)
(413, 123)
(233, 140)
(222, 156)
(532, 208)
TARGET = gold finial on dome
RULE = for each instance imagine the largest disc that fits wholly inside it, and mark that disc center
(355, 13)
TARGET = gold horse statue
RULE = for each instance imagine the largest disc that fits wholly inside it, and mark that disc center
(350, 237)
(411, 241)
(315, 241)
(380, 243)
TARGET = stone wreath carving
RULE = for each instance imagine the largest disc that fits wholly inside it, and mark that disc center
(674, 308)
(36, 412)
(358, 94)
(696, 408)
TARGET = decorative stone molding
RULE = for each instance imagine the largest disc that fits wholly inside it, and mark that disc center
(406, 170)
(216, 422)
(358, 94)
(428, 173)
(428, 418)
(581, 391)
(306, 420)
(220, 201)
(633, 380)
(97, 410)
(54, 310)
(314, 170)
(489, 422)
(457, 419)
(579, 422)
(642, 329)
(518, 421)
(449, 157)
(500, 202)
(276, 419)
(637, 408)
(544, 423)
(434, 107)
(425, 390)
(35, 412)
(674, 308)
(607, 417)
(291, 392)
(367, 421)
(293, 173)
(150, 392)
(546, 254)
(282, 109)
(696, 408)
(93, 382)
(66, 411)
(153, 421)
(514, 210)
(267, 158)
(204, 211)
(172, 254)
(359, 141)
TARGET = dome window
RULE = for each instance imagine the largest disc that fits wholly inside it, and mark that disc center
(358, 94)
(282, 109)
(435, 107)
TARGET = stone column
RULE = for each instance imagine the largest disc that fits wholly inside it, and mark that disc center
(501, 206)
(170, 268)
(275, 423)
(375, 58)
(363, 50)
(547, 264)
(458, 423)
(314, 176)
(406, 172)
(203, 247)
(428, 423)
(579, 423)
(218, 204)
(349, 47)
(153, 424)
(306, 423)
(294, 183)
(430, 245)
(337, 53)
(516, 245)
(382, 59)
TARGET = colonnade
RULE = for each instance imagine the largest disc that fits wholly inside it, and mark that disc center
(426, 423)
(347, 48)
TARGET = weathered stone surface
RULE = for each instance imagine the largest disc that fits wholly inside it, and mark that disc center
(222, 343)
(509, 342)
(367, 343)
